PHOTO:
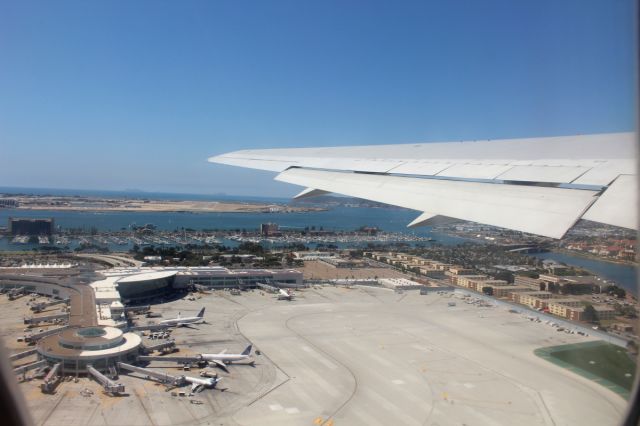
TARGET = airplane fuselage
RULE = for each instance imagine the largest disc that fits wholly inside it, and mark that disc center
(197, 382)
(226, 358)
(180, 321)
(177, 322)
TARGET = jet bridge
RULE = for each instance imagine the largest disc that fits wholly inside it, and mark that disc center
(47, 318)
(177, 359)
(16, 292)
(139, 308)
(23, 370)
(51, 380)
(268, 288)
(164, 346)
(39, 307)
(38, 336)
(109, 385)
(162, 377)
(21, 355)
(150, 327)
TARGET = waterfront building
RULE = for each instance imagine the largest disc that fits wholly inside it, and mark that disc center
(269, 229)
(506, 290)
(431, 272)
(467, 281)
(532, 283)
(536, 300)
(400, 283)
(344, 263)
(569, 284)
(478, 285)
(561, 307)
(30, 226)
(8, 203)
(313, 255)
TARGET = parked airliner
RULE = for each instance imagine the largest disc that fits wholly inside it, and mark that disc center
(182, 321)
(221, 359)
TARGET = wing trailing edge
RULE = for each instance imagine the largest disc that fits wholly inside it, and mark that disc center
(536, 185)
(546, 211)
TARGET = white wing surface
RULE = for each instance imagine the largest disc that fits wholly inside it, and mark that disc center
(219, 364)
(536, 185)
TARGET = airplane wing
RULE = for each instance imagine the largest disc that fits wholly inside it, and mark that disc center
(196, 387)
(538, 185)
(220, 364)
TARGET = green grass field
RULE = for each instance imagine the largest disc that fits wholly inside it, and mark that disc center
(602, 362)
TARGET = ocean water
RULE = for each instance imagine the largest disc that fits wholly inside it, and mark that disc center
(623, 275)
(339, 218)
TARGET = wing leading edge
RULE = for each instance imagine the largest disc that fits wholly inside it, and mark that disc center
(541, 186)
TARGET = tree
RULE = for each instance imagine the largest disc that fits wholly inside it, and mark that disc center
(616, 291)
(625, 310)
(249, 247)
(505, 276)
(590, 314)
(488, 291)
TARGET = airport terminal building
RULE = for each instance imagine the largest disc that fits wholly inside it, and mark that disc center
(96, 338)
(133, 284)
(77, 348)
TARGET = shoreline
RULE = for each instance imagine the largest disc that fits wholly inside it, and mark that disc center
(593, 257)
(138, 205)
(170, 210)
(556, 250)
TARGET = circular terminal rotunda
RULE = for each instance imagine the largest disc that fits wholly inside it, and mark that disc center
(76, 348)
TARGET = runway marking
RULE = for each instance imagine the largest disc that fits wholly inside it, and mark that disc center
(319, 358)
(275, 407)
(398, 382)
(292, 410)
(382, 401)
(469, 385)
(366, 418)
(381, 360)
(421, 348)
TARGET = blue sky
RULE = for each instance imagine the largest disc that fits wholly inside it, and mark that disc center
(119, 94)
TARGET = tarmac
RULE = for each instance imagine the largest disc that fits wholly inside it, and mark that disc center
(349, 356)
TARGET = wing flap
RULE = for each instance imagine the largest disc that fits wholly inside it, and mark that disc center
(474, 180)
(430, 219)
(538, 210)
(310, 193)
(546, 174)
(618, 205)
(219, 364)
(475, 171)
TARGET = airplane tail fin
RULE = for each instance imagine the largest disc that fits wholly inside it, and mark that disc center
(201, 313)
(247, 351)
